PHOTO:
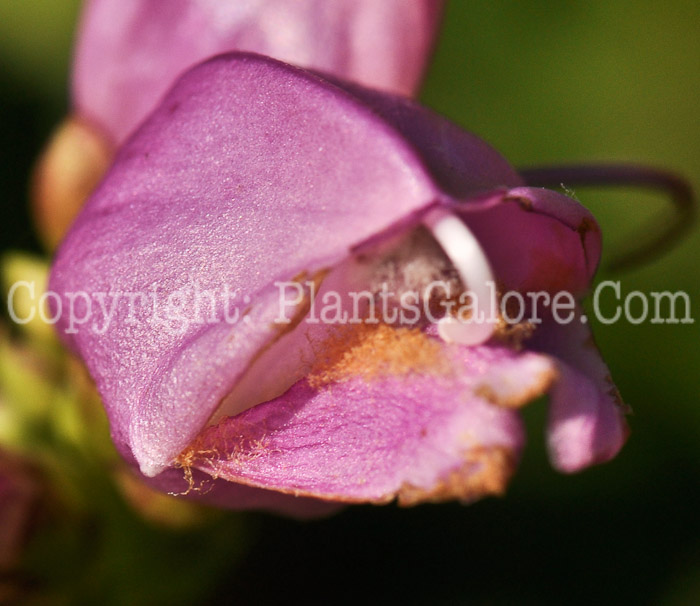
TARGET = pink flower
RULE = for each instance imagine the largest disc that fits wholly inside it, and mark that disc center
(130, 51)
(251, 174)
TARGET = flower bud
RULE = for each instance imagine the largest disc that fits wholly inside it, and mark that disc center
(70, 167)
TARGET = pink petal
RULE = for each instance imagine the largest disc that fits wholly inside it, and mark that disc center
(415, 437)
(587, 417)
(130, 51)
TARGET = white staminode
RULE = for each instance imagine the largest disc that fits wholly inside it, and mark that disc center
(467, 256)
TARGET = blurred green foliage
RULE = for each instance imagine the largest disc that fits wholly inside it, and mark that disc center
(544, 82)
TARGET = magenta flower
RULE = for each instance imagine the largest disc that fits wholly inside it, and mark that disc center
(130, 51)
(252, 177)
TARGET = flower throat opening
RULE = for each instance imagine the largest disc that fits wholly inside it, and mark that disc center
(380, 340)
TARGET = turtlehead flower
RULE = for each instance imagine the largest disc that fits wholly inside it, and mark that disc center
(241, 288)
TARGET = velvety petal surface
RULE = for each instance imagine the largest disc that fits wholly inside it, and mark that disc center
(250, 171)
(586, 416)
(130, 51)
(460, 165)
(430, 436)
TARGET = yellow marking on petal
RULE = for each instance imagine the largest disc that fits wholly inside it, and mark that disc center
(371, 351)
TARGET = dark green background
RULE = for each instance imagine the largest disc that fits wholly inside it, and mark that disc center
(543, 82)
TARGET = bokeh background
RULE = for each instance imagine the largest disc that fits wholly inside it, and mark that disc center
(544, 82)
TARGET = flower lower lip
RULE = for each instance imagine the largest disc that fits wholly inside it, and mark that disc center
(432, 438)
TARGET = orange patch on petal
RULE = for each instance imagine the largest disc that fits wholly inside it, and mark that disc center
(372, 351)
(485, 472)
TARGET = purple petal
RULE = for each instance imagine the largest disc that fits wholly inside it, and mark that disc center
(250, 171)
(130, 51)
(587, 417)
(419, 436)
(460, 164)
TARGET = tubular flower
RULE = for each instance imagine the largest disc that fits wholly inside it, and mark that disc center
(223, 285)
(130, 51)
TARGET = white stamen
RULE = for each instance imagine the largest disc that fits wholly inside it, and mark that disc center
(467, 256)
